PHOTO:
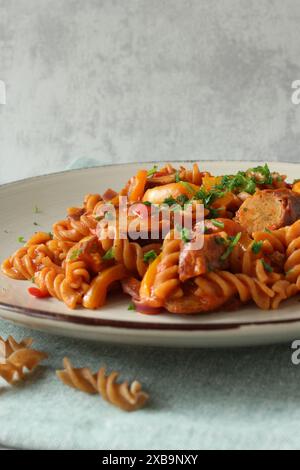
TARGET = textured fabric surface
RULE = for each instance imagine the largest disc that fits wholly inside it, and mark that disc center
(239, 398)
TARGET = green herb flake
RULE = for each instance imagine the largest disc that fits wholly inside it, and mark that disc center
(152, 171)
(36, 210)
(177, 177)
(21, 240)
(75, 255)
(147, 203)
(131, 307)
(182, 199)
(256, 247)
(188, 187)
(150, 256)
(217, 223)
(290, 271)
(50, 235)
(267, 230)
(234, 241)
(214, 212)
(33, 280)
(220, 241)
(267, 267)
(262, 173)
(110, 254)
(207, 198)
(170, 201)
(185, 235)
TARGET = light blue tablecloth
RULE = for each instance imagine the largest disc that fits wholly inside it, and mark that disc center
(239, 398)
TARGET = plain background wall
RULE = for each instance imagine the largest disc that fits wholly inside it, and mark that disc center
(98, 81)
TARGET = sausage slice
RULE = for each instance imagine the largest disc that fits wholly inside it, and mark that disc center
(269, 209)
(193, 262)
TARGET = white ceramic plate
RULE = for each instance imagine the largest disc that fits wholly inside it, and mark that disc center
(114, 323)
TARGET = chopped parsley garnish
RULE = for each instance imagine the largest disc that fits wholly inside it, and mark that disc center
(147, 203)
(220, 241)
(257, 246)
(36, 210)
(267, 230)
(185, 235)
(188, 187)
(150, 256)
(290, 271)
(131, 307)
(217, 223)
(21, 240)
(75, 255)
(237, 183)
(214, 212)
(33, 280)
(110, 254)
(208, 198)
(170, 201)
(50, 235)
(234, 241)
(177, 177)
(267, 267)
(36, 224)
(261, 174)
(182, 199)
(152, 171)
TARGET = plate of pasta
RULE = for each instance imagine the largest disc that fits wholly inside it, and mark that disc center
(184, 254)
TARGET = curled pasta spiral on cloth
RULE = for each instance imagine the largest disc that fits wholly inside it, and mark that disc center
(7, 347)
(16, 358)
(124, 396)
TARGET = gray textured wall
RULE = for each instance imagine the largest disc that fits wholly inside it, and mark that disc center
(116, 80)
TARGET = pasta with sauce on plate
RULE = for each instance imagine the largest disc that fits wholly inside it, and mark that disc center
(250, 249)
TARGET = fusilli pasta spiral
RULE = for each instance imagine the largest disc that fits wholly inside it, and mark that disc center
(124, 396)
(17, 358)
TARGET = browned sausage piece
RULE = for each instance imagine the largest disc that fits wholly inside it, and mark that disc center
(269, 209)
(193, 262)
